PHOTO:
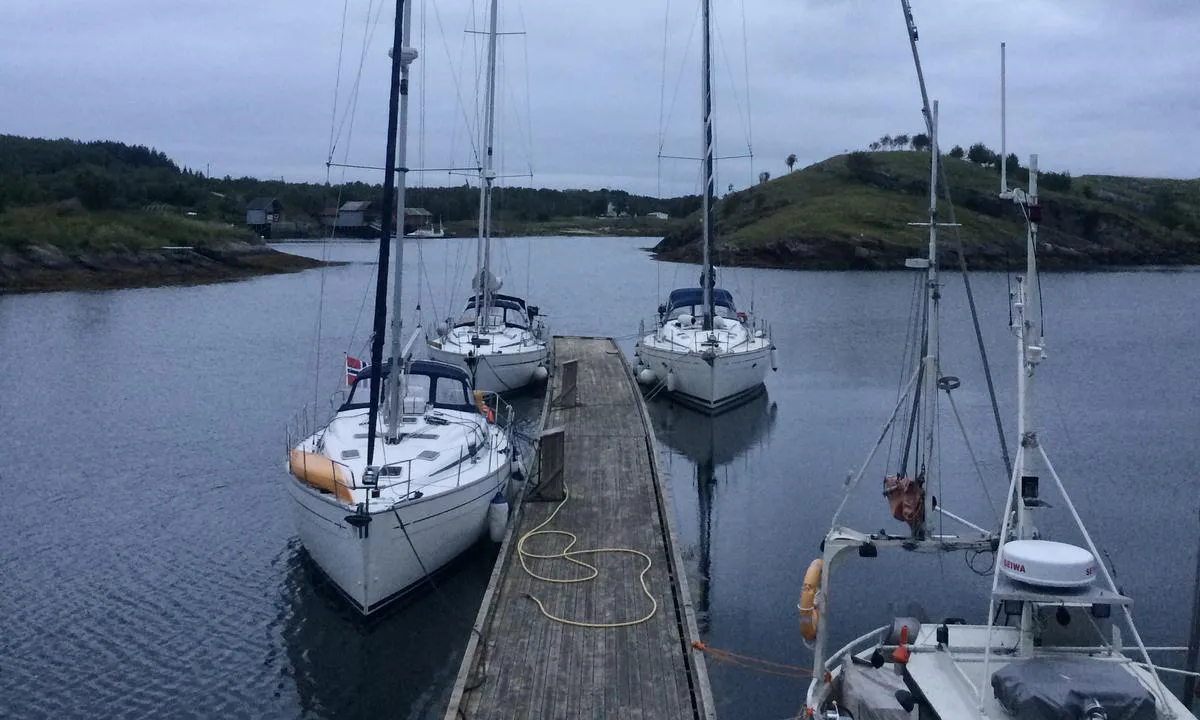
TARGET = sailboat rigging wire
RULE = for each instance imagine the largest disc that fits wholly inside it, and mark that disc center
(962, 258)
(749, 113)
(662, 93)
(528, 94)
(334, 134)
(454, 77)
(348, 117)
(421, 98)
(745, 124)
(400, 170)
(974, 459)
(910, 334)
(337, 83)
(683, 65)
(853, 482)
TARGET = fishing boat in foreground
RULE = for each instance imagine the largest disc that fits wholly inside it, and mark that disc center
(1053, 643)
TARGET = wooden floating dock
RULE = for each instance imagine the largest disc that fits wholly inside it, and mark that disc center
(596, 438)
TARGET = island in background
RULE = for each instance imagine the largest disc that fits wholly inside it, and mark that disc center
(88, 215)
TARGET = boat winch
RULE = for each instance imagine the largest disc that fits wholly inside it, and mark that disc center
(1047, 563)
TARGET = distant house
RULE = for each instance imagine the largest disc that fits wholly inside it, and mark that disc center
(416, 218)
(261, 213)
(659, 215)
(361, 217)
(356, 214)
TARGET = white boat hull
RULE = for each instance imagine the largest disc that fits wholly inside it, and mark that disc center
(498, 372)
(374, 567)
(714, 383)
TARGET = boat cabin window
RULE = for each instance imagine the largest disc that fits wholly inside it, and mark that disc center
(442, 391)
(451, 392)
(698, 310)
(416, 387)
(498, 315)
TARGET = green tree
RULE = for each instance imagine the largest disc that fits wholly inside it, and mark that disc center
(920, 141)
(874, 146)
(980, 154)
(901, 141)
(791, 161)
(861, 167)
(957, 152)
(764, 176)
(96, 188)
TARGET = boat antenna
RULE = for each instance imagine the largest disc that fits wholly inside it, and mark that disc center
(385, 236)
(707, 274)
(1003, 129)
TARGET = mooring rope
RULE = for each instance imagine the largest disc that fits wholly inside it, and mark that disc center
(569, 555)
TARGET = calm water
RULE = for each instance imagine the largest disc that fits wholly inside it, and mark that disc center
(150, 567)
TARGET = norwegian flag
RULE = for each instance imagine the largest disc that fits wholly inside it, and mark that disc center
(353, 366)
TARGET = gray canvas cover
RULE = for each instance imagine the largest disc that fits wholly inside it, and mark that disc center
(1063, 688)
(870, 693)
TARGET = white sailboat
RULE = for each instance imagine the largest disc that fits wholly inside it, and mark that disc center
(499, 339)
(1051, 646)
(703, 351)
(382, 499)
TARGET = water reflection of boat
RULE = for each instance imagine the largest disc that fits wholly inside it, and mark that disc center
(345, 665)
(711, 441)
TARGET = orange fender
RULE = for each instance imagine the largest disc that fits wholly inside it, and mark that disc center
(319, 472)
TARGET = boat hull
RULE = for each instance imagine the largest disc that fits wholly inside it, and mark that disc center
(715, 383)
(398, 547)
(498, 372)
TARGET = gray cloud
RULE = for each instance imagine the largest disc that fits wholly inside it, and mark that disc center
(1095, 87)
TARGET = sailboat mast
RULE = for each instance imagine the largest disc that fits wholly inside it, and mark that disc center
(929, 381)
(707, 276)
(379, 326)
(391, 416)
(483, 295)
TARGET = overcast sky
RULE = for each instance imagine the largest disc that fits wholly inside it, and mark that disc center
(1103, 86)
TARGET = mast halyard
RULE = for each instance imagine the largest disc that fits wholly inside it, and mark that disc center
(487, 176)
(707, 274)
(379, 325)
(392, 412)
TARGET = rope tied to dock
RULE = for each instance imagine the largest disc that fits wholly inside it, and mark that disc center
(768, 667)
(592, 572)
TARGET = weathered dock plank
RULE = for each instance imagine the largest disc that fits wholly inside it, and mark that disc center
(520, 663)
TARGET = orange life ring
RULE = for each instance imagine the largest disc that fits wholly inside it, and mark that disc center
(810, 614)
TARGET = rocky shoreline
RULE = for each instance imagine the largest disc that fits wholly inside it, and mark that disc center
(41, 268)
(844, 255)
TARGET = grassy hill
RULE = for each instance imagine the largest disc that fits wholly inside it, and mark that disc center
(850, 212)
